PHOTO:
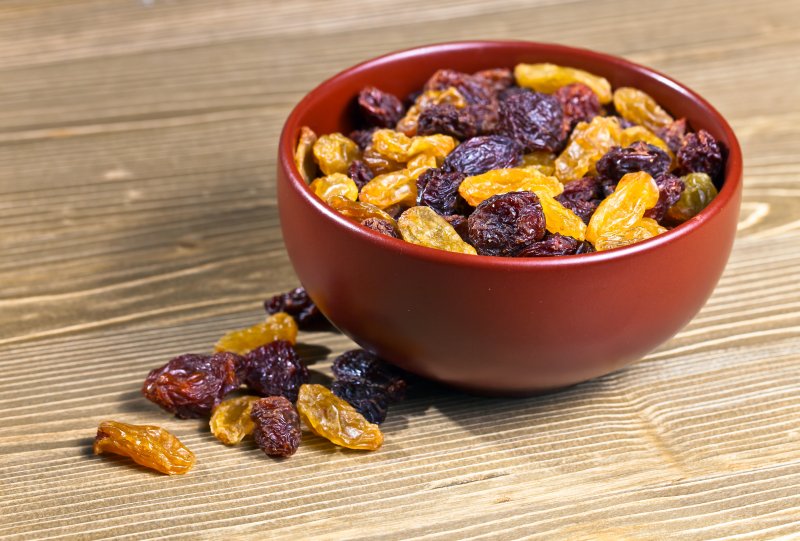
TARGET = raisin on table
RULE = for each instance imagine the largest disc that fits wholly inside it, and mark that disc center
(278, 326)
(150, 446)
(334, 419)
(297, 304)
(363, 366)
(504, 224)
(192, 385)
(371, 401)
(231, 422)
(276, 426)
(275, 370)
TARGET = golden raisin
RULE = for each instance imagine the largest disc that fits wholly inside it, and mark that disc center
(478, 188)
(390, 189)
(304, 155)
(397, 147)
(638, 107)
(329, 416)
(358, 211)
(635, 193)
(335, 184)
(422, 226)
(540, 160)
(548, 78)
(278, 326)
(378, 163)
(335, 152)
(698, 193)
(641, 230)
(231, 422)
(150, 446)
(559, 219)
(587, 144)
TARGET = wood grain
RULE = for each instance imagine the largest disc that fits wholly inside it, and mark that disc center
(138, 221)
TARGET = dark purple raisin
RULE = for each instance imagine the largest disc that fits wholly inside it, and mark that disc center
(379, 108)
(700, 153)
(669, 191)
(583, 209)
(512, 90)
(483, 153)
(486, 115)
(474, 89)
(608, 185)
(551, 245)
(579, 103)
(640, 156)
(299, 305)
(384, 227)
(275, 369)
(371, 401)
(498, 78)
(363, 138)
(533, 120)
(585, 248)
(459, 223)
(438, 189)
(192, 385)
(361, 365)
(582, 196)
(360, 173)
(447, 120)
(673, 134)
(505, 224)
(276, 426)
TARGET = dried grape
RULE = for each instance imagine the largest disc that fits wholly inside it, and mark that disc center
(304, 154)
(635, 193)
(504, 224)
(275, 369)
(278, 326)
(549, 78)
(409, 123)
(276, 426)
(361, 365)
(638, 107)
(618, 162)
(192, 385)
(335, 184)
(357, 210)
(151, 446)
(699, 192)
(533, 120)
(478, 188)
(540, 160)
(559, 219)
(474, 89)
(380, 108)
(669, 188)
(641, 230)
(335, 152)
(582, 196)
(334, 419)
(379, 164)
(587, 144)
(550, 246)
(579, 104)
(438, 189)
(673, 134)
(422, 226)
(231, 422)
(483, 153)
(633, 134)
(297, 304)
(383, 227)
(360, 172)
(700, 153)
(371, 401)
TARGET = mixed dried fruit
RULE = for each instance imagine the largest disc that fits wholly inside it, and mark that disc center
(557, 133)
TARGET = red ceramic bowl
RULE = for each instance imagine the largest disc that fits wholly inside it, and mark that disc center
(490, 324)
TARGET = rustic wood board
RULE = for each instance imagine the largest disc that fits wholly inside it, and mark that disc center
(137, 157)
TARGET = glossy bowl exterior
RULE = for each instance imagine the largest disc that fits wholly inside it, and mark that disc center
(501, 325)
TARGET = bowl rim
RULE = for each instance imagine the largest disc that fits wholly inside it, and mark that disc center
(286, 147)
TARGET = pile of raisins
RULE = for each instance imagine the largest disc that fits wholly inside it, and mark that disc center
(522, 163)
(263, 359)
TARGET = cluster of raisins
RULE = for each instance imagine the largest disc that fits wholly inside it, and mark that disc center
(263, 359)
(514, 164)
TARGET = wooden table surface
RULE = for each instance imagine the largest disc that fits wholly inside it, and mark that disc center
(138, 221)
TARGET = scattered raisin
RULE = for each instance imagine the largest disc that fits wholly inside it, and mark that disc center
(533, 120)
(360, 172)
(276, 426)
(297, 304)
(504, 224)
(553, 244)
(580, 104)
(384, 227)
(669, 191)
(361, 365)
(640, 156)
(278, 326)
(231, 422)
(483, 153)
(438, 189)
(379, 108)
(700, 153)
(334, 419)
(275, 369)
(150, 446)
(371, 401)
(191, 385)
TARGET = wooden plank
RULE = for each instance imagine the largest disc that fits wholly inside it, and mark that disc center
(138, 221)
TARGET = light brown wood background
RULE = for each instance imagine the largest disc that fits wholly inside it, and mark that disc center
(138, 221)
